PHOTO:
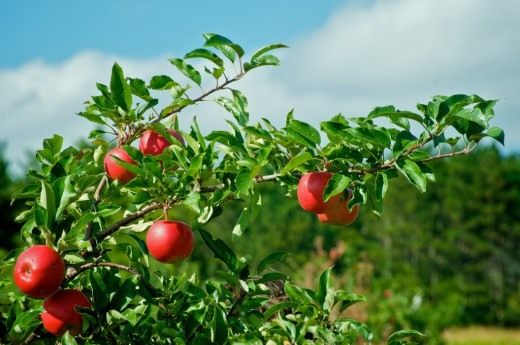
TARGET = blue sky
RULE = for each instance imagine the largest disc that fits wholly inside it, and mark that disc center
(56, 30)
(345, 56)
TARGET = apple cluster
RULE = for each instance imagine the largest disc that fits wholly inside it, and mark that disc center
(39, 272)
(167, 241)
(333, 211)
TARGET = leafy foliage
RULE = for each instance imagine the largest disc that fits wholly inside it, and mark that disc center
(96, 224)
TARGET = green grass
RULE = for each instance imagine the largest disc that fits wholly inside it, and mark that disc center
(482, 336)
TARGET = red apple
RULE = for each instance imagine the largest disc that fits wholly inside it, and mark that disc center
(112, 167)
(60, 312)
(152, 143)
(310, 191)
(169, 241)
(58, 327)
(338, 213)
(39, 271)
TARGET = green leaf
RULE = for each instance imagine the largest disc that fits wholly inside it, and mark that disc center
(162, 82)
(347, 299)
(92, 117)
(137, 227)
(195, 165)
(48, 202)
(296, 161)
(265, 49)
(270, 260)
(68, 339)
(381, 185)
(337, 184)
(187, 69)
(393, 114)
(412, 172)
(403, 141)
(244, 181)
(279, 307)
(297, 294)
(400, 337)
(376, 136)
(219, 327)
(497, 134)
(205, 54)
(225, 45)
(325, 287)
(53, 144)
(221, 250)
(265, 60)
(66, 194)
(473, 115)
(121, 91)
(303, 133)
(139, 89)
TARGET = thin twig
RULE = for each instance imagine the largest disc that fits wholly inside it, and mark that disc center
(467, 150)
(35, 334)
(257, 179)
(177, 109)
(95, 200)
(75, 272)
(127, 220)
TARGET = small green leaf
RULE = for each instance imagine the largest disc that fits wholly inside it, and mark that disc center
(279, 307)
(270, 260)
(296, 161)
(66, 194)
(220, 249)
(347, 299)
(48, 202)
(303, 133)
(244, 181)
(297, 294)
(413, 173)
(205, 54)
(381, 185)
(121, 91)
(265, 49)
(225, 45)
(219, 327)
(400, 337)
(497, 134)
(53, 144)
(162, 82)
(187, 69)
(337, 184)
(68, 339)
(324, 287)
(139, 89)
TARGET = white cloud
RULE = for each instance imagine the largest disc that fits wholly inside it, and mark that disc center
(389, 52)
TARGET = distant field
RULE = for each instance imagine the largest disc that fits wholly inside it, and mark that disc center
(482, 336)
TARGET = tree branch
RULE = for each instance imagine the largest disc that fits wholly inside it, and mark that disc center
(75, 272)
(34, 335)
(127, 220)
(257, 179)
(95, 200)
(465, 151)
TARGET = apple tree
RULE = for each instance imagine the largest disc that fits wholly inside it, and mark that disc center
(104, 222)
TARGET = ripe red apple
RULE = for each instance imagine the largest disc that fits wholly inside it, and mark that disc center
(60, 312)
(338, 213)
(310, 191)
(112, 167)
(152, 143)
(58, 327)
(39, 271)
(169, 241)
